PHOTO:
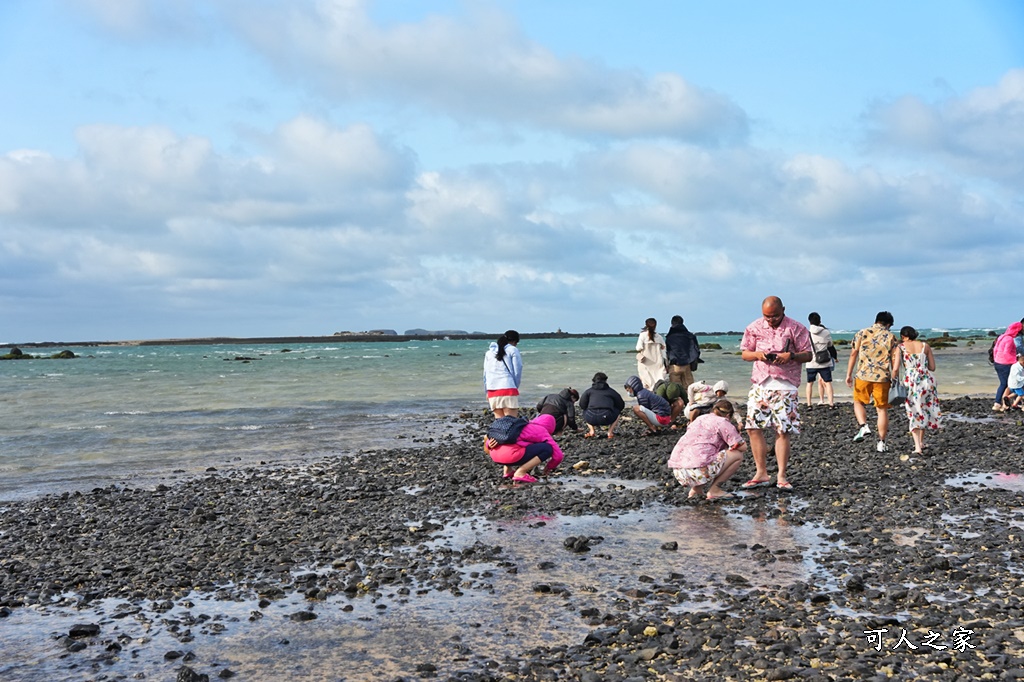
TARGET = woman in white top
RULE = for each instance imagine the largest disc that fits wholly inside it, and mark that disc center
(651, 364)
(820, 367)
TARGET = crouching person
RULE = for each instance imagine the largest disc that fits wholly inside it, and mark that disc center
(532, 446)
(709, 453)
(651, 408)
(561, 406)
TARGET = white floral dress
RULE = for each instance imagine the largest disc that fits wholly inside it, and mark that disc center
(923, 411)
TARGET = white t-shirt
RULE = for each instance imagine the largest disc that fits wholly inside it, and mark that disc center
(1016, 376)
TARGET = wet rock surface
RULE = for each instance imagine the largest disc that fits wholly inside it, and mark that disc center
(921, 578)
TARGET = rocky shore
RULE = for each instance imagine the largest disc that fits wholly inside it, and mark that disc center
(917, 573)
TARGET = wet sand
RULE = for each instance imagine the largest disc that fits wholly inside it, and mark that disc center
(409, 564)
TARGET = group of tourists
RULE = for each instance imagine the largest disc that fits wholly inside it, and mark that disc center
(882, 371)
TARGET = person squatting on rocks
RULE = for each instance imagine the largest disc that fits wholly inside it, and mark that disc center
(874, 356)
(533, 446)
(675, 394)
(709, 453)
(561, 406)
(651, 408)
(503, 372)
(650, 355)
(703, 397)
(777, 345)
(601, 406)
(1015, 384)
(683, 352)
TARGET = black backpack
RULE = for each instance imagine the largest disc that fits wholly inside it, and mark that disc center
(992, 351)
(506, 430)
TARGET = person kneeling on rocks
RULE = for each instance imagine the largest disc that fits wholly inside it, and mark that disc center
(709, 453)
(651, 408)
(533, 446)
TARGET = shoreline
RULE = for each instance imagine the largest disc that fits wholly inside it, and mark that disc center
(338, 338)
(903, 548)
(401, 338)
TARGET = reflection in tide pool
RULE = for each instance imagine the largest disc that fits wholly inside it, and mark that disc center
(538, 593)
(1001, 480)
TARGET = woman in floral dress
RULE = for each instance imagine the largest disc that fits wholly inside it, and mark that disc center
(922, 404)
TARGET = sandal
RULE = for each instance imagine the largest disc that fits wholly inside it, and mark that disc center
(525, 478)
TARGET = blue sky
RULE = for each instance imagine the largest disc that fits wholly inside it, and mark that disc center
(289, 167)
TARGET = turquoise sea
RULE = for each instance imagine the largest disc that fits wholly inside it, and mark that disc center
(140, 414)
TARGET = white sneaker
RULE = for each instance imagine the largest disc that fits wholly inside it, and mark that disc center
(997, 407)
(864, 432)
(881, 446)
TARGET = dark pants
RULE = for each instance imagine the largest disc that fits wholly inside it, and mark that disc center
(1003, 372)
(542, 450)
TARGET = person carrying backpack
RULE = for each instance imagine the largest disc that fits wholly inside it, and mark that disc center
(531, 446)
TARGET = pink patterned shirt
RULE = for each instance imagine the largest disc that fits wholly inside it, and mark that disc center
(705, 437)
(789, 337)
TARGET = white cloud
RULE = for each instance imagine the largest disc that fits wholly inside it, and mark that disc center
(481, 67)
(980, 133)
(145, 20)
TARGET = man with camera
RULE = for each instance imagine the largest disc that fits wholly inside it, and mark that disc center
(778, 346)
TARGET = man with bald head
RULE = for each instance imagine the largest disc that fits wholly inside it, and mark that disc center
(778, 346)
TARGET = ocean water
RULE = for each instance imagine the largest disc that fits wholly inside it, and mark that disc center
(139, 414)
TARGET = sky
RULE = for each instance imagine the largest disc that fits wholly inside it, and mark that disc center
(186, 168)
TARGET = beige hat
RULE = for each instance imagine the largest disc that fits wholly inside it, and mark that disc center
(721, 386)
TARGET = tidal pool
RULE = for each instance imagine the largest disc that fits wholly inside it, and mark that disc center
(538, 593)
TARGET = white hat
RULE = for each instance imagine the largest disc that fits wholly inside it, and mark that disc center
(721, 386)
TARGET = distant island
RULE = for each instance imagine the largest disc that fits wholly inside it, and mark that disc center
(341, 336)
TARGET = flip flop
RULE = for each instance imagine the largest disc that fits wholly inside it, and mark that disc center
(784, 486)
(725, 496)
(755, 484)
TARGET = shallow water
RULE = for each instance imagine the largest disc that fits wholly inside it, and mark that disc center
(373, 637)
(121, 412)
(1001, 480)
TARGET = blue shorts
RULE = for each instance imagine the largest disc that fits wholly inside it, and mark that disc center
(824, 372)
(1018, 391)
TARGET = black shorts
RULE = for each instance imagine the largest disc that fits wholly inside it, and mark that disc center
(824, 372)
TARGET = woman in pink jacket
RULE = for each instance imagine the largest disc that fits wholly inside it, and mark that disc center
(1004, 354)
(535, 445)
